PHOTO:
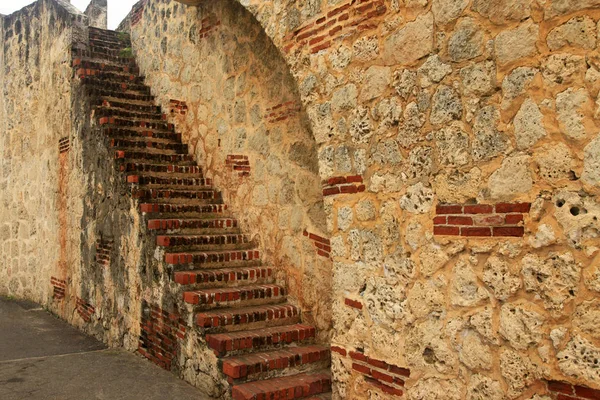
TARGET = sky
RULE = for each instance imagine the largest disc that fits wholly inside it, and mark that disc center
(117, 9)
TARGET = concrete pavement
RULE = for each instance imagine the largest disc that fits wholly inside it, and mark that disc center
(43, 358)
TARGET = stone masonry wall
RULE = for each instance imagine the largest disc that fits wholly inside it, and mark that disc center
(228, 90)
(39, 228)
(418, 105)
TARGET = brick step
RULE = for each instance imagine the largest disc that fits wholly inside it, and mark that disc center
(161, 169)
(204, 208)
(180, 194)
(87, 63)
(169, 181)
(107, 110)
(235, 319)
(105, 32)
(109, 42)
(101, 91)
(101, 58)
(115, 76)
(141, 133)
(242, 296)
(323, 396)
(117, 86)
(124, 122)
(287, 361)
(241, 342)
(149, 109)
(229, 276)
(100, 49)
(298, 386)
(192, 225)
(136, 156)
(202, 240)
(165, 147)
(227, 245)
(208, 257)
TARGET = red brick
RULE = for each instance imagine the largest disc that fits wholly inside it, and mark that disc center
(489, 220)
(475, 232)
(331, 191)
(514, 219)
(460, 221)
(513, 207)
(361, 368)
(353, 303)
(510, 231)
(587, 393)
(448, 209)
(446, 230)
(339, 350)
(565, 397)
(358, 356)
(348, 189)
(439, 220)
(354, 179)
(378, 363)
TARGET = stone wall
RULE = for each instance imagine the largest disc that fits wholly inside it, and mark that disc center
(97, 13)
(228, 90)
(39, 232)
(418, 105)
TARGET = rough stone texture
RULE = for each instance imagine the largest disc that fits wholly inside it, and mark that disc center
(577, 32)
(591, 163)
(517, 43)
(407, 100)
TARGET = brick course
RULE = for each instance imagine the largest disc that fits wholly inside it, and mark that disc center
(85, 310)
(343, 185)
(238, 163)
(160, 336)
(480, 220)
(322, 245)
(59, 288)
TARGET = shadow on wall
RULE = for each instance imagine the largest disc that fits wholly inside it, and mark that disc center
(231, 94)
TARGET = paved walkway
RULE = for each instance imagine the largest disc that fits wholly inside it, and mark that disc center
(43, 358)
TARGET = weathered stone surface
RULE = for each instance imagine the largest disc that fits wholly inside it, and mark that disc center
(554, 279)
(427, 297)
(418, 199)
(427, 347)
(521, 325)
(554, 161)
(518, 372)
(474, 353)
(376, 81)
(513, 177)
(489, 142)
(587, 318)
(411, 42)
(516, 83)
(499, 277)
(563, 68)
(453, 145)
(591, 163)
(577, 32)
(529, 125)
(432, 71)
(466, 41)
(445, 11)
(465, 289)
(437, 389)
(482, 387)
(479, 79)
(570, 106)
(560, 7)
(579, 359)
(512, 45)
(578, 216)
(502, 11)
(446, 106)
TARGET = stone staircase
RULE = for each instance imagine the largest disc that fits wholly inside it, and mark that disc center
(264, 349)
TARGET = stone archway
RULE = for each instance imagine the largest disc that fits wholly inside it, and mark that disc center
(232, 96)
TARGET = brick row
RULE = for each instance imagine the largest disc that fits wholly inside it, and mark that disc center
(160, 193)
(501, 208)
(497, 231)
(224, 275)
(220, 296)
(201, 240)
(173, 224)
(243, 316)
(161, 168)
(211, 257)
(155, 157)
(289, 387)
(171, 181)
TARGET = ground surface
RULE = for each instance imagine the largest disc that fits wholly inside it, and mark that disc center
(43, 358)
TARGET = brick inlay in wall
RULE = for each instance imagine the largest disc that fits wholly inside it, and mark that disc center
(566, 391)
(59, 288)
(161, 332)
(353, 16)
(137, 11)
(322, 245)
(283, 111)
(481, 220)
(64, 145)
(386, 377)
(239, 164)
(103, 249)
(85, 310)
(353, 303)
(209, 25)
(178, 107)
(343, 184)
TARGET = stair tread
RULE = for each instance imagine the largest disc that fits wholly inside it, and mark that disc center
(240, 316)
(295, 386)
(224, 275)
(224, 296)
(242, 366)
